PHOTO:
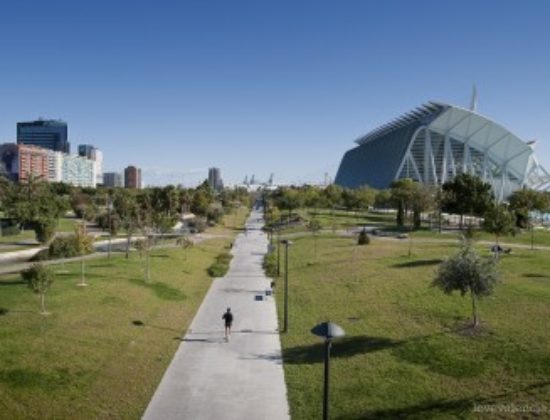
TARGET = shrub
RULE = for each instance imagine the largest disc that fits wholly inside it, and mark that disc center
(62, 247)
(363, 238)
(41, 255)
(44, 230)
(102, 221)
(214, 214)
(67, 247)
(220, 266)
(197, 225)
(270, 264)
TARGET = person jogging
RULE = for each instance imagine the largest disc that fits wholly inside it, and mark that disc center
(228, 319)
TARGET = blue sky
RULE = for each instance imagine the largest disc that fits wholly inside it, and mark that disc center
(258, 86)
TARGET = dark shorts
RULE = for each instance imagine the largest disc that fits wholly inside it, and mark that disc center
(228, 324)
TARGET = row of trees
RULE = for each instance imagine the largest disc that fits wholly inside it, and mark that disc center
(465, 195)
(39, 205)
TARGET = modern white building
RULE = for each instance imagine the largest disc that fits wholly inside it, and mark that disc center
(55, 166)
(93, 153)
(435, 142)
(78, 171)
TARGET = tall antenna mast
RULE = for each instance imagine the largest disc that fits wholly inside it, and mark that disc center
(473, 101)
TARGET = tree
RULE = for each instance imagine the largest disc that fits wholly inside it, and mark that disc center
(467, 272)
(524, 202)
(83, 205)
(383, 199)
(146, 216)
(203, 196)
(289, 199)
(365, 198)
(402, 194)
(498, 220)
(467, 194)
(34, 204)
(314, 226)
(83, 244)
(125, 207)
(39, 278)
(333, 195)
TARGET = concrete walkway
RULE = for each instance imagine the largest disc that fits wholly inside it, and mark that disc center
(210, 378)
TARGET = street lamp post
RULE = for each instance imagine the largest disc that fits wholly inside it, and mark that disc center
(109, 209)
(328, 331)
(286, 243)
(278, 255)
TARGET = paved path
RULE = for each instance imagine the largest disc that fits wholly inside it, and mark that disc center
(210, 378)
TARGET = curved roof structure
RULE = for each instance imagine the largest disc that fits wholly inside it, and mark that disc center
(437, 141)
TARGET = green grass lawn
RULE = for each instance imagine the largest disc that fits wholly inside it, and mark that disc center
(407, 352)
(102, 351)
(104, 348)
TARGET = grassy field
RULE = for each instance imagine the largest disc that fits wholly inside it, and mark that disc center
(347, 220)
(104, 348)
(407, 352)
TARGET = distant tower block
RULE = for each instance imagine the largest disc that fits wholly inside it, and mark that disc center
(215, 179)
(270, 182)
(245, 182)
(253, 179)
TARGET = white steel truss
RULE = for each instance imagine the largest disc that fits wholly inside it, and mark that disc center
(462, 141)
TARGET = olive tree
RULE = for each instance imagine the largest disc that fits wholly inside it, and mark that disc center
(467, 272)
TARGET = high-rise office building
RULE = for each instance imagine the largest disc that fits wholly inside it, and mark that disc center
(93, 153)
(48, 134)
(112, 179)
(132, 177)
(215, 179)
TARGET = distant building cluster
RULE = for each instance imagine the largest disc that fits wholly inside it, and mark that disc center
(43, 151)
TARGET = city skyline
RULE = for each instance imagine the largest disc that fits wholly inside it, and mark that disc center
(285, 88)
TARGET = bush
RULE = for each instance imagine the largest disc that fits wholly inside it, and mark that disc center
(270, 264)
(42, 255)
(197, 225)
(44, 230)
(220, 266)
(67, 247)
(103, 222)
(363, 238)
(214, 214)
(62, 247)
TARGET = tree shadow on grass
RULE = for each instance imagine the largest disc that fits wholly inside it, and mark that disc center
(418, 263)
(427, 409)
(11, 283)
(436, 354)
(535, 276)
(462, 407)
(28, 378)
(162, 290)
(345, 347)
